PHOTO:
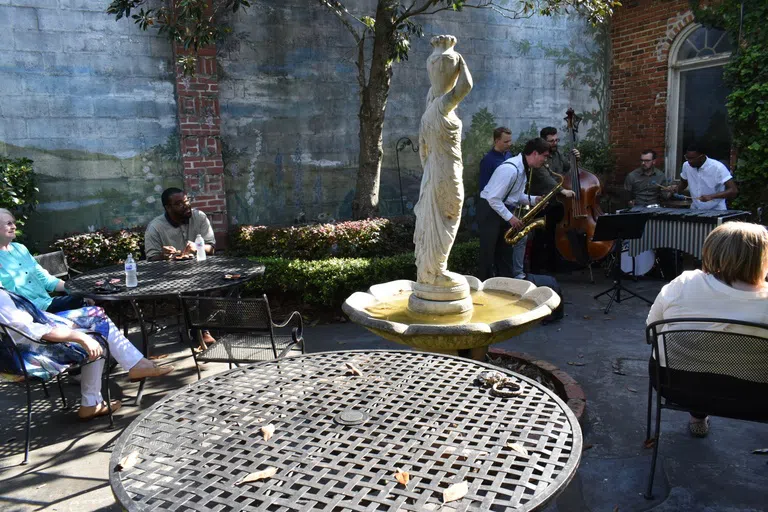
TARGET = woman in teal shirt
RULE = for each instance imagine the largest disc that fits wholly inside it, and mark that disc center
(20, 273)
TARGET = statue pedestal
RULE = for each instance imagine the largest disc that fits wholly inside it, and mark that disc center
(436, 300)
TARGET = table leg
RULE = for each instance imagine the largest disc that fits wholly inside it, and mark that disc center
(145, 349)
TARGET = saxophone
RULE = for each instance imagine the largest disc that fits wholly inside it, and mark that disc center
(513, 235)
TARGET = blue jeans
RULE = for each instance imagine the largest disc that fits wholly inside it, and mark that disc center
(65, 303)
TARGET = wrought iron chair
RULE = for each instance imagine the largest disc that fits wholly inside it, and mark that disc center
(10, 351)
(738, 357)
(243, 329)
(56, 264)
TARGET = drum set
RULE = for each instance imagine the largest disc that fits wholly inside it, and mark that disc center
(636, 265)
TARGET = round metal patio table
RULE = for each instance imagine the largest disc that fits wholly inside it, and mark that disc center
(164, 279)
(339, 438)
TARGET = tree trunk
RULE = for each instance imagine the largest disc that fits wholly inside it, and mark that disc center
(373, 103)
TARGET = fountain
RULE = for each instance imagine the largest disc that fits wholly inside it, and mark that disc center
(443, 311)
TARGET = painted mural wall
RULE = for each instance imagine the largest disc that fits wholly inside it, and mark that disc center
(91, 101)
(289, 103)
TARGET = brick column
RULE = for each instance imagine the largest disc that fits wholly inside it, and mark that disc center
(200, 131)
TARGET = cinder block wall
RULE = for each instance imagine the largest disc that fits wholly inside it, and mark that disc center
(289, 102)
(641, 35)
(91, 101)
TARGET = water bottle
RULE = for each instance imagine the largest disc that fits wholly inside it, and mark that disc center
(131, 279)
(200, 246)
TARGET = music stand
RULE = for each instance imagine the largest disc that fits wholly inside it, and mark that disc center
(619, 227)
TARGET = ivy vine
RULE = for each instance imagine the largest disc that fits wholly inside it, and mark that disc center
(747, 76)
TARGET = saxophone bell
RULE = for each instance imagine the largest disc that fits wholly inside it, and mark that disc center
(513, 235)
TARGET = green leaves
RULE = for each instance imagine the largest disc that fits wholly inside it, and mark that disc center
(18, 187)
(747, 76)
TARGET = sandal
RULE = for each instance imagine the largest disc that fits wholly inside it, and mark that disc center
(699, 427)
(94, 411)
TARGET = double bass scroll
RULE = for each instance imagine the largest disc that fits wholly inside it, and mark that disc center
(573, 234)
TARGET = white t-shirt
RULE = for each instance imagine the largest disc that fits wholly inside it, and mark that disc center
(696, 294)
(708, 179)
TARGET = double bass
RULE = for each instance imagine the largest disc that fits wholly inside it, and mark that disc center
(573, 234)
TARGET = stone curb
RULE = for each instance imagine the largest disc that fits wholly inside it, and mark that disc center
(566, 385)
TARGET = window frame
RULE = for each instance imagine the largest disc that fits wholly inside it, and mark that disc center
(673, 164)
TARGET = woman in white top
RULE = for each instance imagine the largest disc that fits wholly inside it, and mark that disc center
(732, 284)
(69, 344)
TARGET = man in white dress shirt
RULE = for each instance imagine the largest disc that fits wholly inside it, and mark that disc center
(710, 181)
(501, 196)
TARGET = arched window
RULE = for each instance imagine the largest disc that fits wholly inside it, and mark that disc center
(696, 98)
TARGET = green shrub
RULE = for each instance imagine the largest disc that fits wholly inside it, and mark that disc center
(101, 248)
(18, 187)
(364, 238)
(327, 283)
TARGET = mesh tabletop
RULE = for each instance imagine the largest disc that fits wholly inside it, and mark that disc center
(340, 437)
(167, 278)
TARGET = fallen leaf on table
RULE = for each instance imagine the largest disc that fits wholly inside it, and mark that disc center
(619, 372)
(354, 370)
(576, 363)
(464, 452)
(633, 390)
(581, 356)
(518, 448)
(402, 476)
(587, 317)
(616, 508)
(259, 475)
(760, 451)
(128, 461)
(455, 492)
(267, 431)
(587, 447)
(650, 442)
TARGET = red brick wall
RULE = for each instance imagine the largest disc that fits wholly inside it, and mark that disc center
(200, 130)
(641, 34)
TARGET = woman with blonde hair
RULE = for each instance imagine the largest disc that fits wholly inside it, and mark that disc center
(731, 284)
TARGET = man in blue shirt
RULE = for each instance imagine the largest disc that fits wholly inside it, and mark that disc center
(502, 140)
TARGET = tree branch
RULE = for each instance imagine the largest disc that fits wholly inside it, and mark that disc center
(341, 12)
(361, 63)
(505, 12)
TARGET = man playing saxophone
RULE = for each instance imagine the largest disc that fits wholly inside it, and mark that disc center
(505, 191)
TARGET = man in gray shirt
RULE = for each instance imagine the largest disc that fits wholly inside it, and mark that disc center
(647, 184)
(173, 233)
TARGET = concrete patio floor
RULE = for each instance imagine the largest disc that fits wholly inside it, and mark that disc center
(68, 467)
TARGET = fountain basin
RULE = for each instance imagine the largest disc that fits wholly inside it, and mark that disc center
(503, 308)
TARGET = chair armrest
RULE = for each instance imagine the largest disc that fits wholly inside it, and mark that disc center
(297, 333)
(70, 270)
(298, 339)
(299, 322)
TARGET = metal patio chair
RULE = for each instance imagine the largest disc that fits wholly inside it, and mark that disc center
(688, 348)
(10, 351)
(243, 329)
(56, 264)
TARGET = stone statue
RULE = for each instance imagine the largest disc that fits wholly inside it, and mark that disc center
(438, 211)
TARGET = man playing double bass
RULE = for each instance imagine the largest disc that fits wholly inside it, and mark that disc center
(543, 251)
